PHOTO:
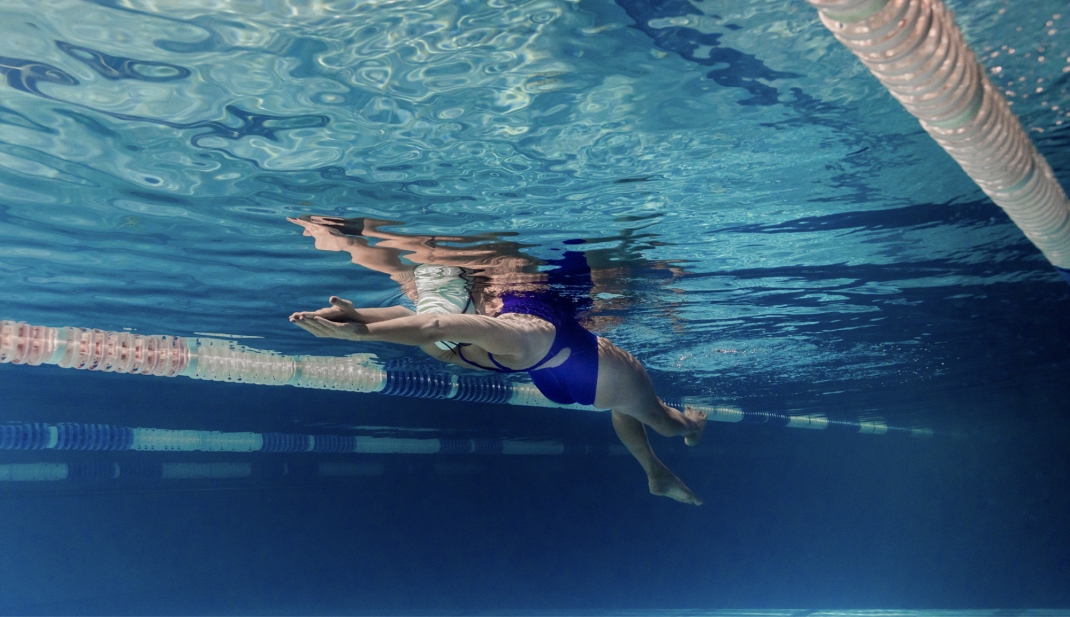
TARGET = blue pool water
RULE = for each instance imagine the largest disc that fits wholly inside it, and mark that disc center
(767, 229)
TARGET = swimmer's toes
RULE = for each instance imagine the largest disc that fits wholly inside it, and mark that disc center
(672, 487)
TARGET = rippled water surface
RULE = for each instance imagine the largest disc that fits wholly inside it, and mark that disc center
(775, 216)
(767, 226)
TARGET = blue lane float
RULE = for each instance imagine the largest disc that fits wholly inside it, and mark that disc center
(95, 472)
(26, 437)
(223, 360)
(106, 437)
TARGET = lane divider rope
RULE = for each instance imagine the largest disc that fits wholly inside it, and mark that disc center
(918, 53)
(223, 360)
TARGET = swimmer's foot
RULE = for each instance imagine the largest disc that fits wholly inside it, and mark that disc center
(699, 417)
(663, 482)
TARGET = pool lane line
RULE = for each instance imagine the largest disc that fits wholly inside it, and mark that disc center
(225, 360)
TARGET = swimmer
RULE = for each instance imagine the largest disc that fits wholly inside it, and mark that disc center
(526, 328)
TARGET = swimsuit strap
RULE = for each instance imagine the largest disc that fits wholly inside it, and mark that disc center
(558, 344)
(526, 304)
(501, 369)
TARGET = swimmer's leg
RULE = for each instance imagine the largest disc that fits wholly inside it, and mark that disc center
(699, 418)
(667, 421)
(624, 386)
(632, 434)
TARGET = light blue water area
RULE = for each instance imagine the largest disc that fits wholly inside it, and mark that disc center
(152, 154)
(766, 226)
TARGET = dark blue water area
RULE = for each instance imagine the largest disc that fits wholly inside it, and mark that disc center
(792, 518)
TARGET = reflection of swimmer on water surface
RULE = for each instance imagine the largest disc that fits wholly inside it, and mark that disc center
(487, 306)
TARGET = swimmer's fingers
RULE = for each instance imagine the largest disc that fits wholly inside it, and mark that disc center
(316, 328)
(305, 325)
(306, 320)
(300, 315)
(343, 305)
(316, 221)
(340, 310)
(301, 222)
(296, 315)
(331, 329)
(314, 227)
(328, 221)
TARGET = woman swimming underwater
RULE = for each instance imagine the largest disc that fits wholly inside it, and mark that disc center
(512, 320)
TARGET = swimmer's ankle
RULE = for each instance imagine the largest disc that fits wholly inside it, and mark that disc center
(664, 483)
(698, 419)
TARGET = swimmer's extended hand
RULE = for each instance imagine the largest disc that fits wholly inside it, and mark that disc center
(339, 320)
(326, 328)
(340, 311)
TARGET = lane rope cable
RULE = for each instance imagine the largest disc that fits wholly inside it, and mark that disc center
(224, 360)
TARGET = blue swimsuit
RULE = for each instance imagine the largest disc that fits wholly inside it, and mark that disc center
(575, 379)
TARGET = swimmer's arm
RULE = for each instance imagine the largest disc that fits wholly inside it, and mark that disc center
(377, 314)
(343, 311)
(386, 313)
(505, 338)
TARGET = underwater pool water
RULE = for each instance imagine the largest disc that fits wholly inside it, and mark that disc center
(766, 227)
